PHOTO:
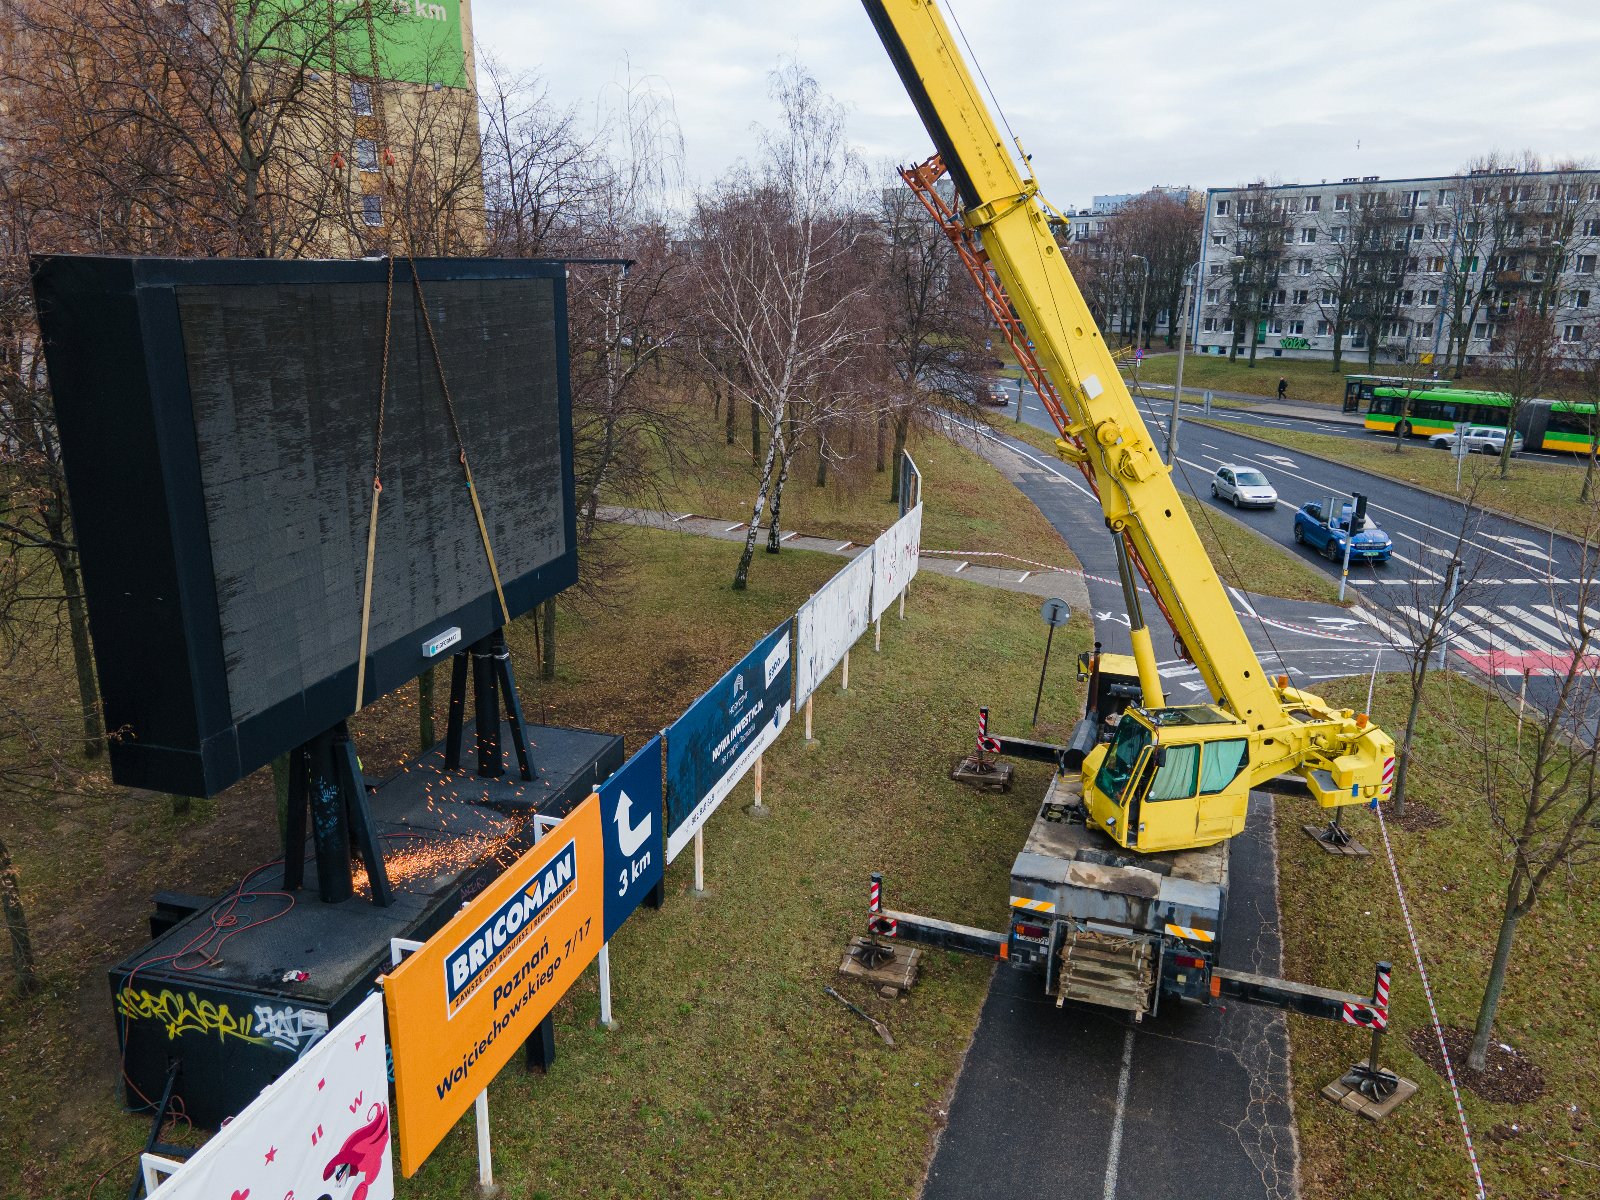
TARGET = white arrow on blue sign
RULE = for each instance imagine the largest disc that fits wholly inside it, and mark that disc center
(631, 819)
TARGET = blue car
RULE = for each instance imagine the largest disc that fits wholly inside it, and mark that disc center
(1313, 528)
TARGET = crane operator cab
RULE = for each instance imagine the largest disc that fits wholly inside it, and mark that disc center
(1170, 778)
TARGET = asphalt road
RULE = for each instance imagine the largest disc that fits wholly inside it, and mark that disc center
(1081, 1102)
(1516, 612)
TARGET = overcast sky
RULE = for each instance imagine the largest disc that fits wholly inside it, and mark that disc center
(1115, 95)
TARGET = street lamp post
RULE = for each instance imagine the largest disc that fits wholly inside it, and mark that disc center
(1138, 330)
(1190, 276)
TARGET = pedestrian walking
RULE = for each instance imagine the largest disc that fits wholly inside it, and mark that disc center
(1283, 388)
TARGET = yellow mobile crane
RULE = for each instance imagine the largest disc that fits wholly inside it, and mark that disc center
(1118, 895)
(1173, 777)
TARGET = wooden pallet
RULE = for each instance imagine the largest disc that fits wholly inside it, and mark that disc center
(1346, 1097)
(890, 978)
(1102, 969)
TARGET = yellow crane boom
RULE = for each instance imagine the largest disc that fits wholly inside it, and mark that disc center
(1173, 777)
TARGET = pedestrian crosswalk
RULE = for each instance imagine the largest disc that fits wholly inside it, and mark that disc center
(1509, 639)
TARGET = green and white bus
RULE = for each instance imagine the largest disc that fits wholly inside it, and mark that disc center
(1549, 425)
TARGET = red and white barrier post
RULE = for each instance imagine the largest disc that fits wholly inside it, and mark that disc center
(1368, 1077)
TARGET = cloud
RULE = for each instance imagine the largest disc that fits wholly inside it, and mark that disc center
(1112, 96)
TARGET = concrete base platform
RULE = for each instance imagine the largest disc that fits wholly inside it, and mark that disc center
(1347, 1097)
(896, 976)
(1350, 849)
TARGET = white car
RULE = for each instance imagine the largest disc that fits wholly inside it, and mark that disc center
(1243, 487)
(1485, 439)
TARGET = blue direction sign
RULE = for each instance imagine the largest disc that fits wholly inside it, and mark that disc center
(630, 819)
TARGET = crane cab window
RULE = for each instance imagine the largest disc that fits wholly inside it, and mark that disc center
(1130, 740)
(1176, 778)
(1222, 763)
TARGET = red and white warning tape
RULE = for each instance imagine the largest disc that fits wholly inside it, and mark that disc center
(1433, 1011)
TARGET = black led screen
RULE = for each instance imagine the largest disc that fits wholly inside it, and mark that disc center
(218, 423)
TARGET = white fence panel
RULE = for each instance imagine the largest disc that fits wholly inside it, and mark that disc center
(829, 623)
(894, 560)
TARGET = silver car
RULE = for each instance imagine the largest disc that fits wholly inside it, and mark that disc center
(1243, 487)
(1481, 439)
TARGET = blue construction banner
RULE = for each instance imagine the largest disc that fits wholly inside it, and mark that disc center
(721, 735)
(630, 821)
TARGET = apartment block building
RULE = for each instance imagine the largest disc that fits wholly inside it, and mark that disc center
(1419, 270)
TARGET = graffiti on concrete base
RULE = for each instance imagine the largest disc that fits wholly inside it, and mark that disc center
(296, 1029)
(185, 1014)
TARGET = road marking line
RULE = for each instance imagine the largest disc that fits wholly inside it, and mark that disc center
(1398, 639)
(1538, 623)
(1484, 633)
(1114, 1150)
(1398, 557)
(1425, 620)
(1495, 620)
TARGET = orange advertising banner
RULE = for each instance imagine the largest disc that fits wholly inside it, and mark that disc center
(461, 1006)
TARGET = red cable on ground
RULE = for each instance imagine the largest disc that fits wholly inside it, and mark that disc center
(1433, 1011)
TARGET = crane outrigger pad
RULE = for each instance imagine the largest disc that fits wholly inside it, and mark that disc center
(989, 774)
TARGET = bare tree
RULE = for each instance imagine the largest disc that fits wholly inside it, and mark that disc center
(1542, 792)
(1256, 269)
(1584, 360)
(775, 260)
(1527, 358)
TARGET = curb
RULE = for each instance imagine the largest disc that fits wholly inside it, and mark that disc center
(1543, 530)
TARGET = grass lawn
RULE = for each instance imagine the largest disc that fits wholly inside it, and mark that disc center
(1340, 915)
(1243, 558)
(732, 1074)
(1543, 493)
(968, 505)
(1309, 381)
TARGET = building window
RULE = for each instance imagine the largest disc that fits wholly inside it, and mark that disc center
(1219, 239)
(1369, 199)
(1226, 325)
(1336, 236)
(1281, 296)
(1407, 298)
(1480, 330)
(372, 210)
(1341, 204)
(1302, 296)
(1322, 329)
(1591, 228)
(1585, 264)
(1302, 267)
(1430, 298)
(1328, 297)
(1418, 232)
(1447, 197)
(1216, 268)
(1297, 328)
(361, 98)
(1425, 329)
(1313, 204)
(1580, 298)
(1308, 236)
(1291, 205)
(1437, 263)
(1209, 324)
(1412, 264)
(1222, 208)
(1469, 265)
(1213, 295)
(366, 154)
(1571, 333)
(1441, 230)
(1274, 326)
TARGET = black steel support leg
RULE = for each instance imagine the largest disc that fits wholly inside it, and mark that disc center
(458, 711)
(330, 823)
(486, 708)
(294, 829)
(360, 816)
(508, 686)
(540, 1048)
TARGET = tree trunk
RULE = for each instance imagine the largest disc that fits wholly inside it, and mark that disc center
(1505, 450)
(1338, 348)
(1496, 983)
(1397, 798)
(425, 738)
(878, 448)
(22, 965)
(1400, 425)
(1588, 474)
(755, 432)
(822, 460)
(785, 453)
(729, 427)
(902, 430)
(82, 657)
(741, 574)
(547, 668)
